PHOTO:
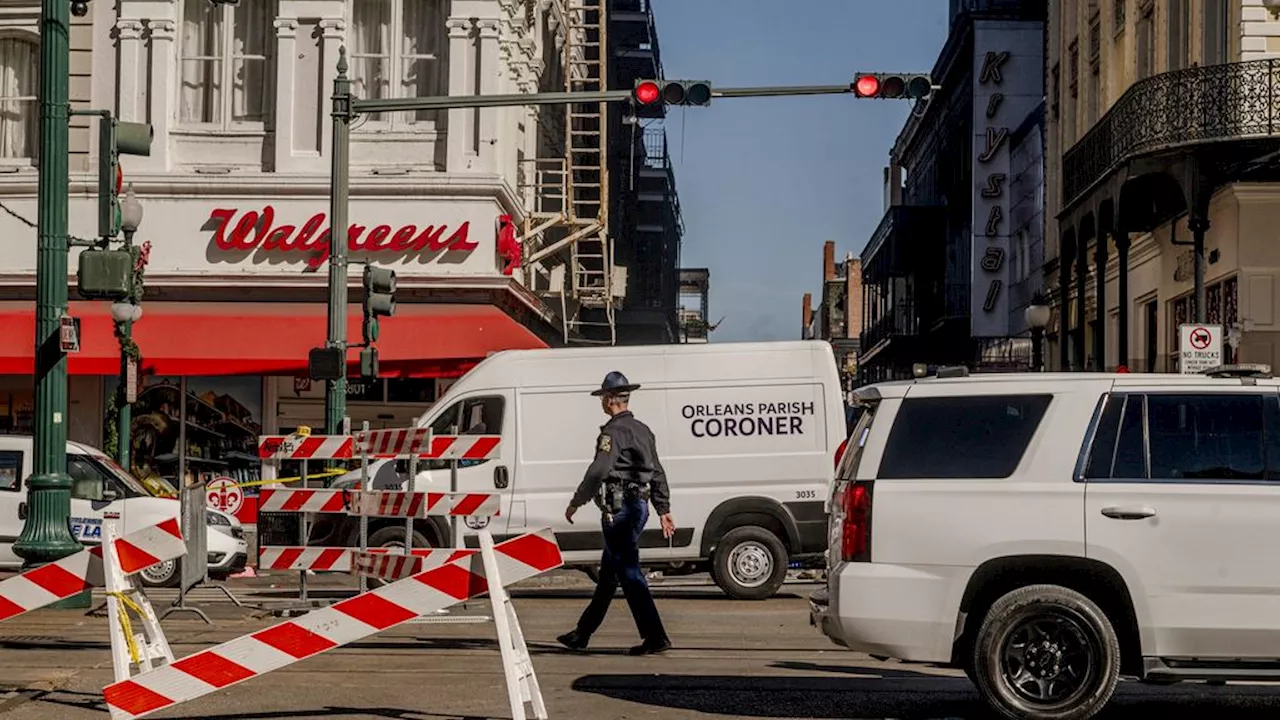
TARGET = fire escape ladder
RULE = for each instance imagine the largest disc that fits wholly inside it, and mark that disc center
(590, 277)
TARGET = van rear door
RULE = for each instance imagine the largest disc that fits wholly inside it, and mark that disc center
(13, 472)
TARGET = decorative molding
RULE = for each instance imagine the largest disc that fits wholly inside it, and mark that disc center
(163, 29)
(459, 27)
(488, 28)
(129, 29)
(333, 27)
(286, 27)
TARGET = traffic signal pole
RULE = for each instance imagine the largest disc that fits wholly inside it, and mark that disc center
(335, 390)
(345, 110)
(46, 534)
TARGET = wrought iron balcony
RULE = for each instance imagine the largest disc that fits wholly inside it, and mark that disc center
(899, 320)
(1195, 106)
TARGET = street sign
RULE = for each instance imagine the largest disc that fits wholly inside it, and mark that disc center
(131, 381)
(69, 334)
(1200, 347)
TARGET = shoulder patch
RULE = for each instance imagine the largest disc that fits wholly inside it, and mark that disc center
(605, 443)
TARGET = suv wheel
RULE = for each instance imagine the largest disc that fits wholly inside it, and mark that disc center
(393, 537)
(1048, 653)
(161, 575)
(750, 563)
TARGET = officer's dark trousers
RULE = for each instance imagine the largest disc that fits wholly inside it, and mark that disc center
(620, 563)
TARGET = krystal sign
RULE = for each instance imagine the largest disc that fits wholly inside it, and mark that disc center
(245, 231)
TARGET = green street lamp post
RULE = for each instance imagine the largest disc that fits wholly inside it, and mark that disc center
(46, 535)
(125, 313)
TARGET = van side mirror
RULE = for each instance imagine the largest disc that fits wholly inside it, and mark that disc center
(110, 494)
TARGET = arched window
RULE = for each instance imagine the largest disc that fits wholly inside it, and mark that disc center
(19, 110)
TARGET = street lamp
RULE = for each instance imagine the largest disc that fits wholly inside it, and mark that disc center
(125, 313)
(1037, 315)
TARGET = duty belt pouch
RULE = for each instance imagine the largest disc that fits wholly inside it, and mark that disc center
(613, 495)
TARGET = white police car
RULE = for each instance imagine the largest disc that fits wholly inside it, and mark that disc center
(98, 485)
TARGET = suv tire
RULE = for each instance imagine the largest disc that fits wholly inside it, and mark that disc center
(750, 563)
(393, 537)
(1045, 652)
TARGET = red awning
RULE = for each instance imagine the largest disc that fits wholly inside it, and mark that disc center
(196, 338)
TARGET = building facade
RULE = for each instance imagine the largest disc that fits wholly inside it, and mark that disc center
(1161, 168)
(235, 195)
(837, 318)
(949, 270)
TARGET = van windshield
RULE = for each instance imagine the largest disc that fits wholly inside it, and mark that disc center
(121, 476)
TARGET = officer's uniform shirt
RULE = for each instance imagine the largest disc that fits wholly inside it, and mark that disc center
(626, 449)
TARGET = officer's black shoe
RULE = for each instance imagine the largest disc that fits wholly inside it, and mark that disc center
(651, 647)
(573, 640)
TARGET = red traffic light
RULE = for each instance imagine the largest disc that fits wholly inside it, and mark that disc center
(866, 86)
(647, 92)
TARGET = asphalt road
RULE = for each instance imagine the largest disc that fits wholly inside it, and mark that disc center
(731, 660)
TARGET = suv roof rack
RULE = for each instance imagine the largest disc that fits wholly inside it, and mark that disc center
(1243, 370)
(954, 371)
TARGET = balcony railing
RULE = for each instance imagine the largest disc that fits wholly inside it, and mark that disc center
(901, 320)
(657, 156)
(1197, 105)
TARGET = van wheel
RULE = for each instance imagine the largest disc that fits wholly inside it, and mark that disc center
(161, 575)
(750, 563)
(1048, 653)
(393, 537)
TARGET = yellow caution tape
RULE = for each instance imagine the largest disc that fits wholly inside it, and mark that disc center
(125, 625)
(310, 476)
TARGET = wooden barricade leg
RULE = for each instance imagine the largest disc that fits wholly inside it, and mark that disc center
(130, 649)
(522, 681)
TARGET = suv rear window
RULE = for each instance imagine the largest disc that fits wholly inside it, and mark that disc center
(982, 436)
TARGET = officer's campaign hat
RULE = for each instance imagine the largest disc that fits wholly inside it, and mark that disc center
(615, 383)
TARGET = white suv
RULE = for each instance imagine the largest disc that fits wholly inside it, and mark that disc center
(1048, 533)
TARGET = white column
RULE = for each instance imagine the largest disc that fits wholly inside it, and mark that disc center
(459, 151)
(490, 69)
(163, 91)
(286, 50)
(131, 70)
(334, 32)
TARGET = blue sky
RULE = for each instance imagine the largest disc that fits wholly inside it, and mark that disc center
(763, 182)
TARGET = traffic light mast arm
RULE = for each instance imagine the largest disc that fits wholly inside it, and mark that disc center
(444, 102)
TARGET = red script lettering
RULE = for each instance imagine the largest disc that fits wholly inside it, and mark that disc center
(253, 229)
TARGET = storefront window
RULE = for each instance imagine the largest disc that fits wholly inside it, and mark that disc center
(223, 422)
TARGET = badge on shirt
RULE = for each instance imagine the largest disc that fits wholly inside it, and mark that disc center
(605, 444)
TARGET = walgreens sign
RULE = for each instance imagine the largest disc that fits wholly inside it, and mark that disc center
(248, 231)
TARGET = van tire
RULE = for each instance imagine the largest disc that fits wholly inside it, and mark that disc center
(750, 563)
(393, 536)
(1061, 626)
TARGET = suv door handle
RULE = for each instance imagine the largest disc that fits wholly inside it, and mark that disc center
(22, 511)
(501, 478)
(1129, 513)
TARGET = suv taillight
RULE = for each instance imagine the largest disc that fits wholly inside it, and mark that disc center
(840, 451)
(855, 522)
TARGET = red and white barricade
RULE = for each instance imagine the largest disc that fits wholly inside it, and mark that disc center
(356, 618)
(84, 570)
(421, 582)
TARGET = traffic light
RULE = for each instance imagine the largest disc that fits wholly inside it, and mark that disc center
(116, 138)
(379, 300)
(672, 92)
(892, 86)
(369, 364)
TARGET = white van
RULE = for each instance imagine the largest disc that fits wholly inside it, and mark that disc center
(748, 434)
(99, 484)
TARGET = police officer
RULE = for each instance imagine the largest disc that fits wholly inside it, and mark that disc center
(624, 477)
